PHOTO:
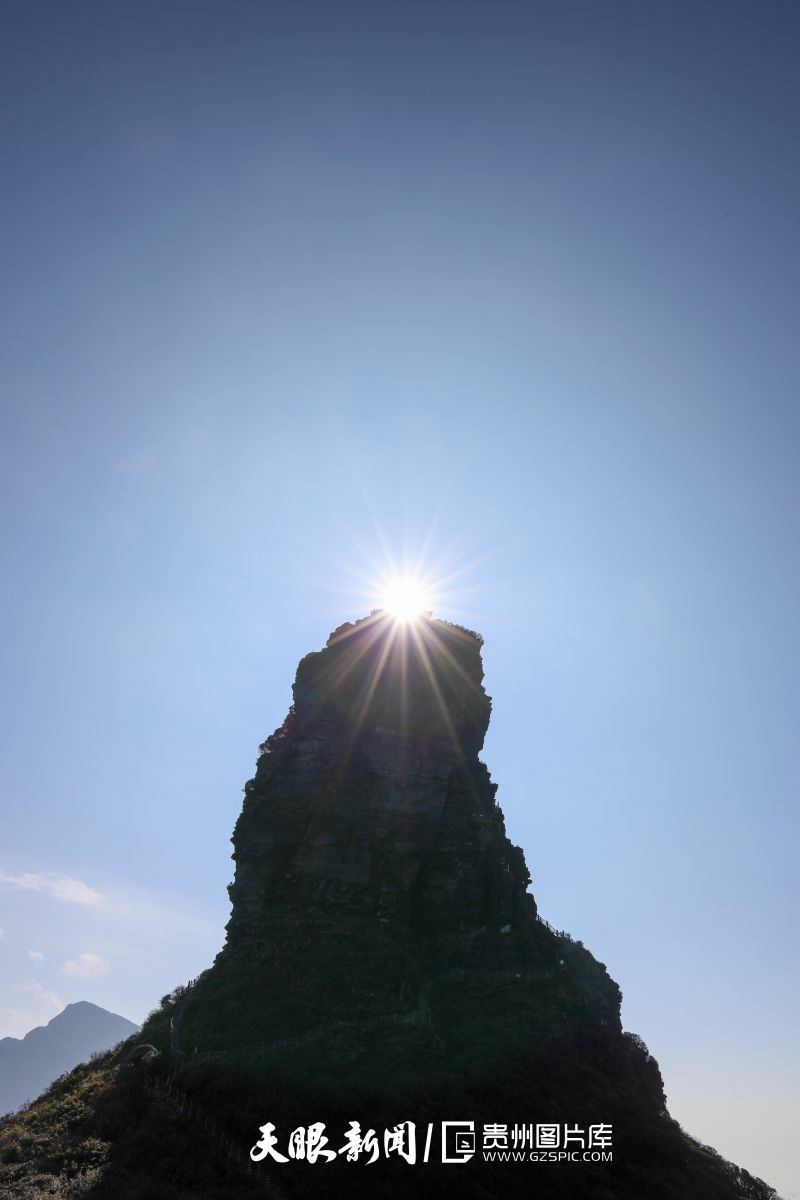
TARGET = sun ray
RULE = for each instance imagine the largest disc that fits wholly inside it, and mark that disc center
(452, 661)
(339, 672)
(429, 671)
(354, 656)
(369, 691)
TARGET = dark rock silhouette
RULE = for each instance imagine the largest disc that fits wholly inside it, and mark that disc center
(374, 879)
(384, 962)
(383, 948)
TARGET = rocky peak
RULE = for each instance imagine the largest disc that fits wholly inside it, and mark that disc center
(385, 961)
(371, 796)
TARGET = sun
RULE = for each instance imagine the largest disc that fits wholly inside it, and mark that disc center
(405, 598)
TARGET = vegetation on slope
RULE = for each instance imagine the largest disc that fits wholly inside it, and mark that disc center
(103, 1132)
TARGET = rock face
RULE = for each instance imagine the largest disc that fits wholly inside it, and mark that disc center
(384, 953)
(384, 963)
(374, 879)
(371, 797)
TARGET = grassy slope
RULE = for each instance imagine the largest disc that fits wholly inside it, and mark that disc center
(101, 1133)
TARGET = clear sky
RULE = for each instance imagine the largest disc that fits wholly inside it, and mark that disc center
(293, 288)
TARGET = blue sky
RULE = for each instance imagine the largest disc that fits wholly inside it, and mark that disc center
(291, 289)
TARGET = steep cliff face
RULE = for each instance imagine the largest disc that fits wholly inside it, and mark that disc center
(375, 885)
(371, 797)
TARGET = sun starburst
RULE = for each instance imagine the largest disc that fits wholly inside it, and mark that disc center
(405, 597)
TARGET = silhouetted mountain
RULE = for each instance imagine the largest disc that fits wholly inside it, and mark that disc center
(29, 1064)
(384, 963)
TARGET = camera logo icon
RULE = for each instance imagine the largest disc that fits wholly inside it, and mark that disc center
(458, 1138)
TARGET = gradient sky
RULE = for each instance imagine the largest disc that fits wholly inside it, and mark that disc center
(295, 289)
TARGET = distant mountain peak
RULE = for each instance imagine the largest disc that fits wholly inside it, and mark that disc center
(28, 1064)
